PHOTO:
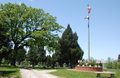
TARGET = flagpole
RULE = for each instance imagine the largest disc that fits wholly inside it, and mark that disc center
(88, 38)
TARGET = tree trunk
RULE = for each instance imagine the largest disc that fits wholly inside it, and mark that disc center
(13, 62)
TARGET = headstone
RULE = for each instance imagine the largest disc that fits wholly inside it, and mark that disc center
(24, 63)
(21, 63)
(44, 65)
(16, 63)
(29, 63)
(64, 65)
(69, 66)
(41, 64)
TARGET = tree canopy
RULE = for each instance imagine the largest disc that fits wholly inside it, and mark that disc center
(29, 26)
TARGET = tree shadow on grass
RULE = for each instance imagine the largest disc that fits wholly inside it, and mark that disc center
(8, 66)
(47, 68)
(7, 73)
(41, 68)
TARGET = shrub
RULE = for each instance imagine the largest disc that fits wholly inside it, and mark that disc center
(89, 63)
(81, 63)
(97, 64)
(38, 64)
(57, 63)
(100, 64)
(118, 66)
(92, 64)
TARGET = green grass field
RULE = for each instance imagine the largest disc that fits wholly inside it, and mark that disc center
(9, 71)
(64, 73)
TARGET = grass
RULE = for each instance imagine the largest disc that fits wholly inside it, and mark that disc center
(64, 73)
(9, 71)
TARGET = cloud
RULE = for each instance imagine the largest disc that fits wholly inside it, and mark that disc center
(31, 0)
(19, 3)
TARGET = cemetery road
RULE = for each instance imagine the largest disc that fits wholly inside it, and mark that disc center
(31, 73)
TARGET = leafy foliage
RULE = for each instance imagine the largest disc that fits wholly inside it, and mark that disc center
(27, 26)
(36, 55)
(48, 60)
(81, 63)
(112, 64)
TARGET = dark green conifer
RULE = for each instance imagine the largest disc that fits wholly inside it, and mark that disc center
(70, 49)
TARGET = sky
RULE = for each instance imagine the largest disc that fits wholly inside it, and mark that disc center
(104, 23)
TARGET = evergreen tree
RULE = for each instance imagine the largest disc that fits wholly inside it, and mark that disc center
(70, 49)
(55, 58)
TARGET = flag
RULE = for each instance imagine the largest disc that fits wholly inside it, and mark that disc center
(87, 17)
(89, 9)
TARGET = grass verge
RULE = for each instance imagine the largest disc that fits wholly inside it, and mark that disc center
(9, 71)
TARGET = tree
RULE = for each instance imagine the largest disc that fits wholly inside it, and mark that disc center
(108, 63)
(29, 25)
(48, 60)
(114, 64)
(5, 44)
(32, 56)
(70, 49)
(119, 58)
(55, 58)
(36, 55)
(21, 55)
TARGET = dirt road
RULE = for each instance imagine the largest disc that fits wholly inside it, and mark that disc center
(26, 73)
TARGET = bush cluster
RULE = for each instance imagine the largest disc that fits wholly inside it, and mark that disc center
(90, 63)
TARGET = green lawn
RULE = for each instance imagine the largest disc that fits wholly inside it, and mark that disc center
(9, 71)
(64, 73)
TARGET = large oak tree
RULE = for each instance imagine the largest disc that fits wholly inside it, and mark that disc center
(29, 25)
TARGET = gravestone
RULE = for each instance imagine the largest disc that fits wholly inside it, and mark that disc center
(16, 63)
(64, 65)
(29, 63)
(44, 65)
(41, 64)
(21, 63)
(69, 66)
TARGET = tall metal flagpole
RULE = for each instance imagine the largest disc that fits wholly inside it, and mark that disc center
(88, 38)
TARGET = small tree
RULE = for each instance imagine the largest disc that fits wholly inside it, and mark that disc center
(108, 63)
(118, 66)
(114, 64)
(38, 64)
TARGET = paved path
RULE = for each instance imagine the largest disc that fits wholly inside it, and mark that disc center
(26, 73)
